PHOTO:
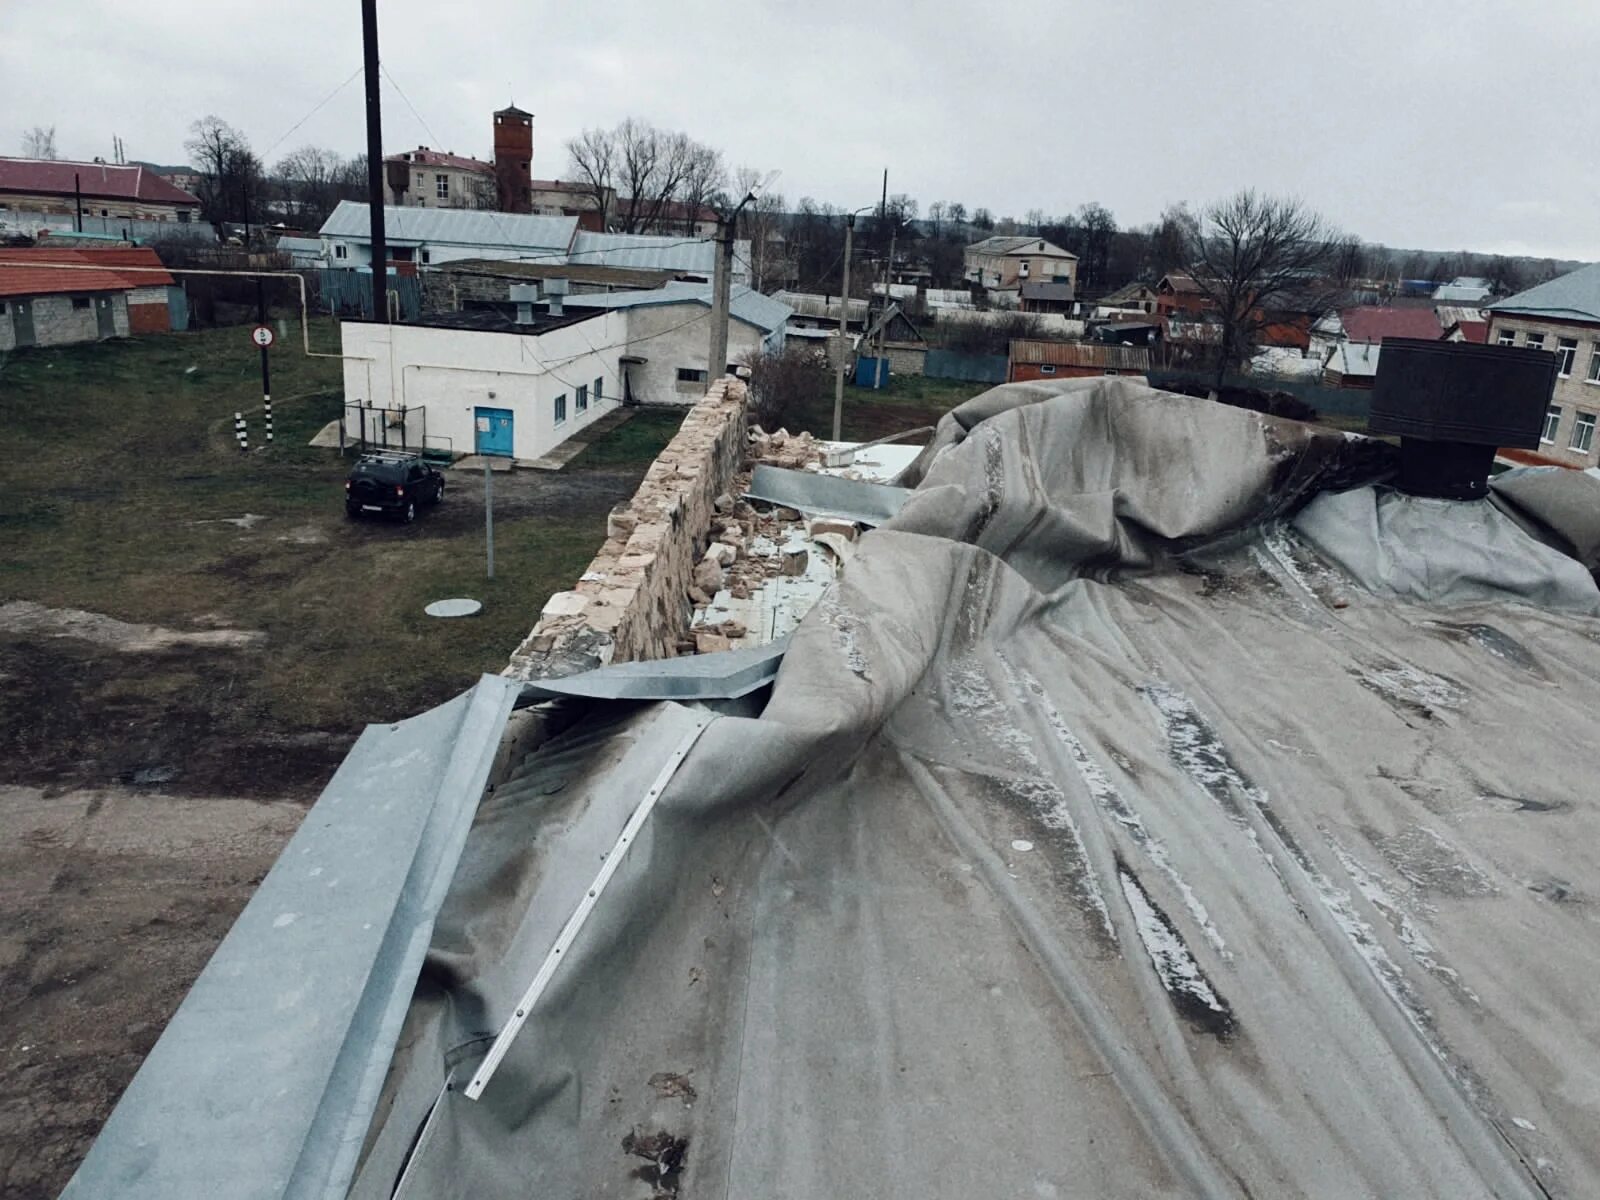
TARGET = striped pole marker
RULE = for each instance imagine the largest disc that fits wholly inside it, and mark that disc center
(240, 432)
(266, 405)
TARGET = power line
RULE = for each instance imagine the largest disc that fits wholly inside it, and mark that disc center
(315, 109)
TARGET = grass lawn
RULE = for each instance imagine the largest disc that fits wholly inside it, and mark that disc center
(123, 495)
(908, 402)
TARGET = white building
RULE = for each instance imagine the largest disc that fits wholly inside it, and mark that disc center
(479, 382)
(517, 380)
(669, 336)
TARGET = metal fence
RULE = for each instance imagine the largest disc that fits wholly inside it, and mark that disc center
(970, 368)
(349, 293)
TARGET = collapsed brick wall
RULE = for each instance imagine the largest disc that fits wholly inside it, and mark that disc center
(632, 601)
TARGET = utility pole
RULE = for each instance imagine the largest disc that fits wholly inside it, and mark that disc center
(77, 199)
(717, 357)
(721, 285)
(488, 513)
(380, 246)
(844, 330)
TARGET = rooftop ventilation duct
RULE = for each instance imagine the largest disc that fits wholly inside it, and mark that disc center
(1453, 405)
(524, 294)
(555, 291)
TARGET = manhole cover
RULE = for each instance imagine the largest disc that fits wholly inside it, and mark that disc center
(454, 608)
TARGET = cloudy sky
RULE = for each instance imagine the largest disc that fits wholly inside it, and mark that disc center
(1433, 125)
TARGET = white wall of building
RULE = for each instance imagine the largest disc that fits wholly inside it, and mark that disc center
(670, 337)
(450, 373)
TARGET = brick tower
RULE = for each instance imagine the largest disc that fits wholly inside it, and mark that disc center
(513, 159)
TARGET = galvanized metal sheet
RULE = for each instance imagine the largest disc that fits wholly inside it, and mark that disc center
(265, 1080)
(725, 676)
(811, 492)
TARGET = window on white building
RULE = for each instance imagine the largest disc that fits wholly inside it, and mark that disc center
(690, 375)
(1566, 352)
(441, 186)
(561, 408)
(424, 255)
(1508, 337)
(421, 179)
(1534, 341)
(340, 250)
(1022, 268)
(1582, 433)
(1594, 364)
(1552, 418)
(583, 397)
(599, 389)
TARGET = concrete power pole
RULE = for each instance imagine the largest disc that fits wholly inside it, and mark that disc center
(380, 245)
(844, 330)
(717, 356)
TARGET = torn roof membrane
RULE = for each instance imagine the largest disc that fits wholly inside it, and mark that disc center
(1087, 844)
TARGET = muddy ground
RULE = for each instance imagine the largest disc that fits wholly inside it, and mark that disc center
(147, 783)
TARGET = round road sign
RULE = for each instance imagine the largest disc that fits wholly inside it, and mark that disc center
(261, 335)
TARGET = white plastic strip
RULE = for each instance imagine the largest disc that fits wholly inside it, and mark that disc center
(569, 932)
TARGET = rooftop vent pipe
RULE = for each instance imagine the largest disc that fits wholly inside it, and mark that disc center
(524, 294)
(555, 291)
(1453, 405)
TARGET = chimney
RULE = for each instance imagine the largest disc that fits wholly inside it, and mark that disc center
(524, 294)
(555, 291)
(1453, 405)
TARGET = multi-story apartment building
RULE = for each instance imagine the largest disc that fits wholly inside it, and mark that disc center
(1563, 318)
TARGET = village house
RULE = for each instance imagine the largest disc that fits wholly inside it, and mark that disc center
(1371, 323)
(558, 198)
(424, 178)
(1006, 263)
(1032, 359)
(50, 193)
(1351, 365)
(54, 296)
(1561, 317)
(1040, 296)
(1130, 298)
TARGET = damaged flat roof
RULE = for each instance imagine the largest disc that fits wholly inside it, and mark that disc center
(1099, 836)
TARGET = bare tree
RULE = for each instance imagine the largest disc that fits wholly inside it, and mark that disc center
(230, 174)
(1168, 249)
(350, 180)
(936, 215)
(594, 165)
(40, 142)
(1348, 261)
(310, 179)
(957, 213)
(760, 222)
(1254, 256)
(705, 184)
(982, 219)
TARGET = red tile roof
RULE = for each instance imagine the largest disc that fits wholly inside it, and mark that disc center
(102, 181)
(1372, 324)
(40, 272)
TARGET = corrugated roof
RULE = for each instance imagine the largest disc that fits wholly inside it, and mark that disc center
(810, 304)
(107, 181)
(679, 254)
(744, 304)
(1080, 354)
(1574, 297)
(1355, 358)
(458, 226)
(1018, 245)
(1373, 324)
(34, 271)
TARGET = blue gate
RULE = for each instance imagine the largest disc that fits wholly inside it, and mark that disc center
(493, 427)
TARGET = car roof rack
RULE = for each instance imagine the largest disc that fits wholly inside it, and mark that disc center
(392, 456)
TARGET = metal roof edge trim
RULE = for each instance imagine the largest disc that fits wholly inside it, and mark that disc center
(265, 1080)
(812, 492)
(726, 675)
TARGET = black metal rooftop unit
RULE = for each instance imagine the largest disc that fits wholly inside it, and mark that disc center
(1453, 405)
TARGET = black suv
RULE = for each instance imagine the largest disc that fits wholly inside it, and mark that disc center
(391, 483)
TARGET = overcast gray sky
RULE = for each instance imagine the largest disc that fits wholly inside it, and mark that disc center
(1435, 125)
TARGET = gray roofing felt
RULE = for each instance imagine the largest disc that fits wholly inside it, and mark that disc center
(744, 304)
(1575, 295)
(460, 226)
(1004, 244)
(1098, 838)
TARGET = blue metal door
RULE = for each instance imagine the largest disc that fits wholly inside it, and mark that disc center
(493, 431)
